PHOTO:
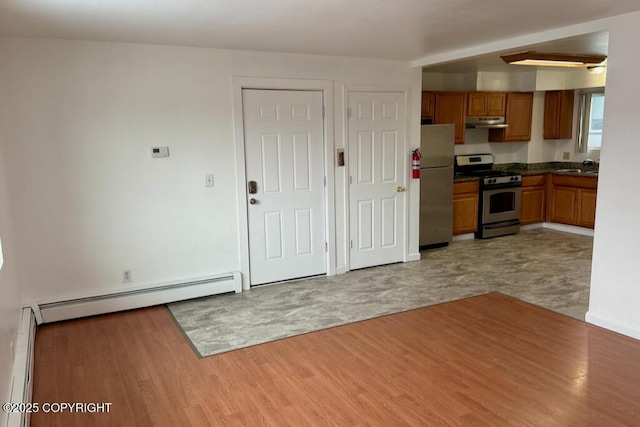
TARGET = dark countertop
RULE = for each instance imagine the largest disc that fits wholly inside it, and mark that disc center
(464, 178)
(549, 167)
(528, 169)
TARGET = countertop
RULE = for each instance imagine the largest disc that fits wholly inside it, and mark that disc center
(549, 167)
(526, 169)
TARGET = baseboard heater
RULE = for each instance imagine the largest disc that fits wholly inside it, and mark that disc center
(136, 298)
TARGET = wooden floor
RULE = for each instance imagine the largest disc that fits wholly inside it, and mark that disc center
(488, 360)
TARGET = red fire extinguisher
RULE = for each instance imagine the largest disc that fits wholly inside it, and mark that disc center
(415, 163)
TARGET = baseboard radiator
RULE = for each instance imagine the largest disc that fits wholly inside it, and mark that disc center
(136, 298)
(22, 384)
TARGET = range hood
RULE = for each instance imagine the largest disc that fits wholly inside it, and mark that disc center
(485, 123)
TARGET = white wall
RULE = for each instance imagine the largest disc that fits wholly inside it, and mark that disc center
(443, 81)
(615, 286)
(573, 78)
(79, 120)
(539, 149)
(503, 152)
(10, 298)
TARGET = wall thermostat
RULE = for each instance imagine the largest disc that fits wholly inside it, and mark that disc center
(159, 152)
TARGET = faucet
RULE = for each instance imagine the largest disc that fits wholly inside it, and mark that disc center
(588, 162)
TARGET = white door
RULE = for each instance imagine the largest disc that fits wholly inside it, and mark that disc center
(377, 123)
(284, 137)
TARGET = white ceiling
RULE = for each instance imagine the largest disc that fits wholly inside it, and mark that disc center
(393, 29)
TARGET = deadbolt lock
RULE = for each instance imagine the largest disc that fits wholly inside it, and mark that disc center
(253, 187)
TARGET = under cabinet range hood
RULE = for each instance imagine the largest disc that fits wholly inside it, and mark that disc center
(485, 123)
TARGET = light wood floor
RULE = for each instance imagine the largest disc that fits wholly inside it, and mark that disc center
(488, 360)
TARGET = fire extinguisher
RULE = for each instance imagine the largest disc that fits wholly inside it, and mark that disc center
(415, 163)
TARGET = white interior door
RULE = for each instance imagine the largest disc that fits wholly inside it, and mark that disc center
(377, 123)
(283, 133)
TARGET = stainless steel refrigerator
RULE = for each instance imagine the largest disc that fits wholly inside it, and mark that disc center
(436, 184)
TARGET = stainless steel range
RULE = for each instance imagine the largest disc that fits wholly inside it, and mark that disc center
(500, 195)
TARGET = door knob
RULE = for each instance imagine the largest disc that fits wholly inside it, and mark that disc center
(400, 189)
(253, 201)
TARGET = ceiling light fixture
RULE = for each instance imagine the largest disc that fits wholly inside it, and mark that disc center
(553, 59)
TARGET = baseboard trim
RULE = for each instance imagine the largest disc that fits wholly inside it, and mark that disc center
(568, 228)
(137, 298)
(532, 226)
(22, 384)
(621, 328)
(413, 257)
(467, 236)
(341, 270)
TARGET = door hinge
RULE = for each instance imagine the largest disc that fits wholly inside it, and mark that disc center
(350, 179)
(325, 181)
(349, 112)
(323, 111)
(326, 247)
(351, 243)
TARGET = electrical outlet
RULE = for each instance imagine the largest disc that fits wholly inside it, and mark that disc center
(208, 180)
(566, 155)
(126, 276)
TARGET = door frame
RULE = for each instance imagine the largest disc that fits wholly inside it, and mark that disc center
(406, 91)
(324, 86)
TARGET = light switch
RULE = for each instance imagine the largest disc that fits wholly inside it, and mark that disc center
(208, 180)
(159, 152)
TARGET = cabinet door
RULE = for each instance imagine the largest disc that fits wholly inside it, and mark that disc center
(533, 205)
(450, 108)
(427, 105)
(477, 104)
(586, 207)
(564, 205)
(551, 114)
(518, 116)
(496, 103)
(558, 114)
(465, 207)
(465, 213)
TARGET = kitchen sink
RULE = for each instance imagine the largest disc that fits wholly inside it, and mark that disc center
(593, 173)
(569, 170)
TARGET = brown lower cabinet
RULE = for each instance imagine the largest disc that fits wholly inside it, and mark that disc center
(465, 207)
(565, 199)
(572, 200)
(533, 208)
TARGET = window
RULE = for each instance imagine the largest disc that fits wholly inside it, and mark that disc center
(590, 119)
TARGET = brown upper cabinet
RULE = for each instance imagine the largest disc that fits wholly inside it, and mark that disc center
(558, 114)
(486, 104)
(428, 101)
(518, 115)
(451, 108)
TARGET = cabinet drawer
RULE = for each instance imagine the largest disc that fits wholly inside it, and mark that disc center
(533, 180)
(466, 187)
(575, 181)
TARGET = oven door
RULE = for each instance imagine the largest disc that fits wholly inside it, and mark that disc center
(501, 204)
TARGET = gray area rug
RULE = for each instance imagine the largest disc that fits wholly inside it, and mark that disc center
(547, 268)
